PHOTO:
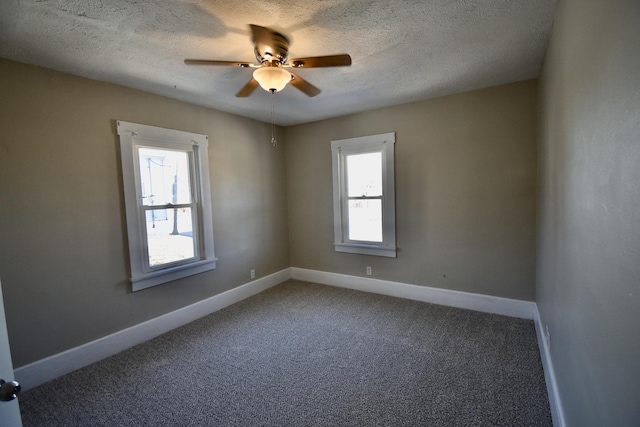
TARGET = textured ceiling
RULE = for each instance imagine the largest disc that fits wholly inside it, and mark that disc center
(402, 50)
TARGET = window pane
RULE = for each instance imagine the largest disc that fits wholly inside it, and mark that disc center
(164, 176)
(364, 175)
(169, 235)
(365, 220)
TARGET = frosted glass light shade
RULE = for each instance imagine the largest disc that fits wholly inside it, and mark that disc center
(272, 78)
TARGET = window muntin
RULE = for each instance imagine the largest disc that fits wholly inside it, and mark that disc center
(364, 205)
(168, 203)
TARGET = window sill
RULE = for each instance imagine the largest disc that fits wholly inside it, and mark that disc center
(364, 249)
(170, 274)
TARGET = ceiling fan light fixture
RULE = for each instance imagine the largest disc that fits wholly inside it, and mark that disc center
(272, 79)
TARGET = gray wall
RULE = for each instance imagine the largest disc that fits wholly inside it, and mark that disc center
(63, 250)
(588, 289)
(465, 192)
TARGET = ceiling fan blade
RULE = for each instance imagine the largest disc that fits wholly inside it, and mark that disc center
(248, 88)
(304, 86)
(321, 61)
(213, 62)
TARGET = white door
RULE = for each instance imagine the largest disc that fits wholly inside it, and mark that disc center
(9, 411)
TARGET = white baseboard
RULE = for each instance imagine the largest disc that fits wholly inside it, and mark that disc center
(52, 367)
(557, 413)
(478, 302)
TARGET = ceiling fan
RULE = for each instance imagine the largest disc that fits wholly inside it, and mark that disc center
(272, 52)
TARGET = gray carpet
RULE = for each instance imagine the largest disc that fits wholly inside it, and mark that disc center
(304, 354)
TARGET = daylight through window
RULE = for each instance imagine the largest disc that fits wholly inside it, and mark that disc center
(364, 194)
(168, 205)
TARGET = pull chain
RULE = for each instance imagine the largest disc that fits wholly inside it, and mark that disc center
(274, 142)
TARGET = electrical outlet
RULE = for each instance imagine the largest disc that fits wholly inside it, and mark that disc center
(253, 274)
(368, 271)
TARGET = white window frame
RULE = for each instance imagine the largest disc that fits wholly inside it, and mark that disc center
(132, 136)
(340, 149)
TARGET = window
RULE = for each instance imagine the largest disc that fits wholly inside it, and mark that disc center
(168, 203)
(363, 195)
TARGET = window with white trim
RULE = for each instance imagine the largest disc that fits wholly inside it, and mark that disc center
(364, 195)
(168, 203)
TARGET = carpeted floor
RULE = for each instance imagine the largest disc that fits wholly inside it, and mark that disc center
(302, 354)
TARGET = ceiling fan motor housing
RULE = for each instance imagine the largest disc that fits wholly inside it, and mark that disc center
(276, 51)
